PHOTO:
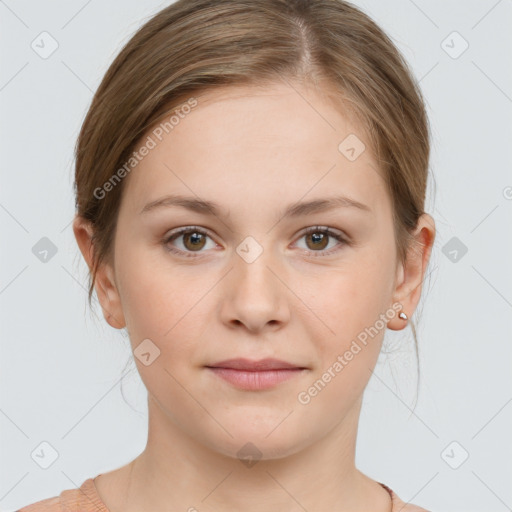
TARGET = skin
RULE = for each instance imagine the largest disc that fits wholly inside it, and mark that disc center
(254, 151)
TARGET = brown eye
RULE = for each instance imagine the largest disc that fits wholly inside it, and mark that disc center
(194, 240)
(317, 238)
(187, 241)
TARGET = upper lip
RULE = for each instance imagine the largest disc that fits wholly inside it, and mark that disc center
(253, 365)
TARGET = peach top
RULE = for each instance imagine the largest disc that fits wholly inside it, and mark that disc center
(87, 499)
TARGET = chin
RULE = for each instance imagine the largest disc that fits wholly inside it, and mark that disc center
(260, 443)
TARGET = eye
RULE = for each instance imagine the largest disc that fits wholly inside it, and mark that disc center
(318, 238)
(194, 239)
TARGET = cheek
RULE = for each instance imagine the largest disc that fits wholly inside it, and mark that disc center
(353, 296)
(162, 306)
(159, 301)
(349, 302)
(348, 348)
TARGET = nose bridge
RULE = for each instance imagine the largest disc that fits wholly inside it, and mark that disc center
(252, 269)
(256, 295)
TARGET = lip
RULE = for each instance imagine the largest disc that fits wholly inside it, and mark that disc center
(251, 365)
(254, 375)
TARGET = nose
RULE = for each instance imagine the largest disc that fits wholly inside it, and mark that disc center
(255, 295)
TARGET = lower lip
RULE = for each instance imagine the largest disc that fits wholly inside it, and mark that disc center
(255, 380)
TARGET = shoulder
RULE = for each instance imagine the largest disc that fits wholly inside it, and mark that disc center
(82, 499)
(47, 505)
(401, 506)
(67, 501)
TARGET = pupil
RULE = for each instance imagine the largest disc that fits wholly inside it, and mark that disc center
(196, 238)
(317, 237)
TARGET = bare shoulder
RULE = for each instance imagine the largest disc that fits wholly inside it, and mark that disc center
(401, 506)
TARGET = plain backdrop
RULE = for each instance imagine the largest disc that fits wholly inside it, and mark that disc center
(60, 373)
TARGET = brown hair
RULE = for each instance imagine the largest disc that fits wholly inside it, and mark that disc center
(196, 45)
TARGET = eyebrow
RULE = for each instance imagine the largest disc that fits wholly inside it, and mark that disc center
(294, 210)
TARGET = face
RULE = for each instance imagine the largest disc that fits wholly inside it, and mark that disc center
(255, 275)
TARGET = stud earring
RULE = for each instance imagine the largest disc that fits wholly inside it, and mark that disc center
(403, 316)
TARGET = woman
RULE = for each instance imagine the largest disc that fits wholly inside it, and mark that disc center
(250, 185)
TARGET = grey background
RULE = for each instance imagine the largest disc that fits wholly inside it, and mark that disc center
(61, 369)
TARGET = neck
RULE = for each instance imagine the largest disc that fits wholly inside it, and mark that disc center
(178, 472)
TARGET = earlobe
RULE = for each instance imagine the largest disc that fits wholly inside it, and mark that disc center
(109, 298)
(398, 321)
(410, 276)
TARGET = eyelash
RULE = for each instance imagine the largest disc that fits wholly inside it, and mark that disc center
(313, 229)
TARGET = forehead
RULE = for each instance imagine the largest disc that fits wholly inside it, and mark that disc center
(280, 140)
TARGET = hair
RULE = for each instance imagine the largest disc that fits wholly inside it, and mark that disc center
(194, 46)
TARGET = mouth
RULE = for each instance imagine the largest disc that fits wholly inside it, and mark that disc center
(253, 375)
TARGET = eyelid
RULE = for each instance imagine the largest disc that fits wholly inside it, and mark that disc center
(188, 229)
(324, 229)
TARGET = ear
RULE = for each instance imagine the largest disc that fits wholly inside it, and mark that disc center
(410, 276)
(105, 285)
